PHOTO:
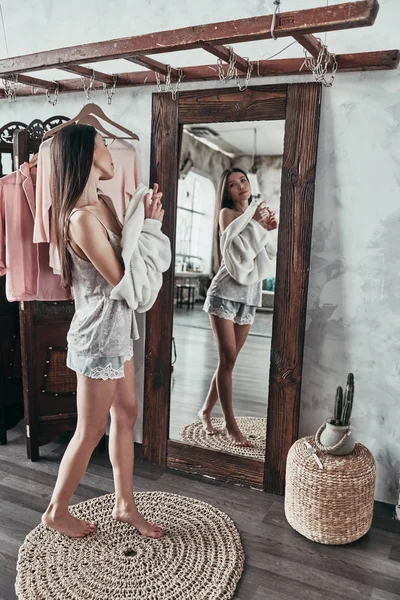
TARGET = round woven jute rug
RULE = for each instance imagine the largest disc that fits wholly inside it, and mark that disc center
(254, 428)
(199, 558)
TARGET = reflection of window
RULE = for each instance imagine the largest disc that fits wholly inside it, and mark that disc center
(195, 223)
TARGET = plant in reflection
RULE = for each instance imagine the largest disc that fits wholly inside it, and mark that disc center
(269, 284)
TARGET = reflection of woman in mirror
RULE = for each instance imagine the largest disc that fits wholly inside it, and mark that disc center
(231, 305)
(100, 339)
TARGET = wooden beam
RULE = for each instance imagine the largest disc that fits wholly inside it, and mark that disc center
(85, 72)
(153, 65)
(327, 18)
(309, 42)
(363, 61)
(368, 61)
(224, 54)
(34, 82)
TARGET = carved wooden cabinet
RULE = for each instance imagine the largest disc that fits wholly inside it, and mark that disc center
(49, 386)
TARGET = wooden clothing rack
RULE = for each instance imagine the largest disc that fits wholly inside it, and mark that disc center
(301, 25)
(49, 387)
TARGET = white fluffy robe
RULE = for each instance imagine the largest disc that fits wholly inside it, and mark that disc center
(146, 253)
(248, 249)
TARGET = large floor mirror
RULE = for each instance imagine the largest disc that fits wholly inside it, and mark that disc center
(262, 143)
(207, 152)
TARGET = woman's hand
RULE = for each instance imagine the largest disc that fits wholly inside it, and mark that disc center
(152, 205)
(266, 217)
(271, 222)
(261, 214)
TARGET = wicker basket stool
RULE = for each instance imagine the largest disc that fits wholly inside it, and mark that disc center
(332, 505)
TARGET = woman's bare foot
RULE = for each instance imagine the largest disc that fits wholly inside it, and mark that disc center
(133, 517)
(205, 418)
(236, 437)
(67, 525)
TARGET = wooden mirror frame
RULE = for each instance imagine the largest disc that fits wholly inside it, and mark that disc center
(299, 106)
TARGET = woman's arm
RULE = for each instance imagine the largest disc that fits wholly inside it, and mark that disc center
(91, 237)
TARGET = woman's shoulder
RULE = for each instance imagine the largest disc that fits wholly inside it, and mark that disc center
(84, 221)
(226, 216)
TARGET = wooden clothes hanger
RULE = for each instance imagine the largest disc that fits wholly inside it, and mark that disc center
(34, 160)
(85, 115)
(91, 120)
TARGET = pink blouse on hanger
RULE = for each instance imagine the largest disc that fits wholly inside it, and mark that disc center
(120, 189)
(29, 276)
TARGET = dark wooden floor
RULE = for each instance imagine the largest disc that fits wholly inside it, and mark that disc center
(280, 564)
(196, 362)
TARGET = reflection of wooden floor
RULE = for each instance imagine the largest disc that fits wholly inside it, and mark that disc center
(196, 363)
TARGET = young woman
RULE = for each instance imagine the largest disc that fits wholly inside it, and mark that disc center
(231, 306)
(102, 331)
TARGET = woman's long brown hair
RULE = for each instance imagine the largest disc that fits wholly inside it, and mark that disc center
(71, 153)
(224, 201)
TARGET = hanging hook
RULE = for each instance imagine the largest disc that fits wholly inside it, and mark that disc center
(168, 86)
(273, 24)
(88, 88)
(243, 87)
(10, 88)
(56, 91)
(231, 70)
(110, 92)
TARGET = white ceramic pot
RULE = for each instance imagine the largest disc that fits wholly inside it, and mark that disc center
(337, 439)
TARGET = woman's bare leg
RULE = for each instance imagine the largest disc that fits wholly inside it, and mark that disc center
(228, 348)
(204, 413)
(94, 398)
(241, 333)
(124, 412)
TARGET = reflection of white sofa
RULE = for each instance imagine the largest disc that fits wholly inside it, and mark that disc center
(268, 300)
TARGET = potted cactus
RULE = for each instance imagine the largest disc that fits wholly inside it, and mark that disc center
(335, 435)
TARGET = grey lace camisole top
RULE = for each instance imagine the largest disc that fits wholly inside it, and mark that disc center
(100, 327)
(224, 286)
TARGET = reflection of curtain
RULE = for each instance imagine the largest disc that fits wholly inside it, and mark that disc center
(195, 219)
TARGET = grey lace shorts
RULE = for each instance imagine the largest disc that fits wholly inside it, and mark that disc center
(242, 314)
(102, 367)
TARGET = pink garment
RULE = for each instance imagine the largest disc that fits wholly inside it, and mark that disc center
(120, 189)
(26, 264)
(126, 176)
